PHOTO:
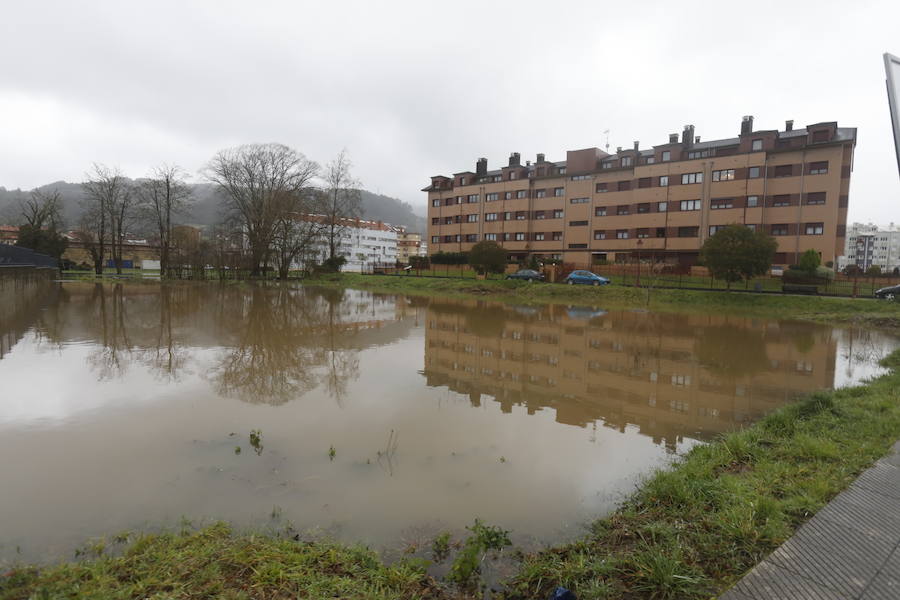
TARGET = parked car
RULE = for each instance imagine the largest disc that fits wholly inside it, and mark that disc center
(585, 277)
(527, 275)
(888, 293)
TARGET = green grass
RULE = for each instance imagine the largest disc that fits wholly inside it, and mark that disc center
(215, 563)
(692, 530)
(862, 311)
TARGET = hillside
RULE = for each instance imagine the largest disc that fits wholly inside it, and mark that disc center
(206, 208)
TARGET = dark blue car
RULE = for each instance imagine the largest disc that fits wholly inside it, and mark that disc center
(585, 277)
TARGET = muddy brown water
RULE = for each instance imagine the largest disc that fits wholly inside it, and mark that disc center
(123, 408)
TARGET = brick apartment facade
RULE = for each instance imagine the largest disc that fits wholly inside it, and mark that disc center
(660, 203)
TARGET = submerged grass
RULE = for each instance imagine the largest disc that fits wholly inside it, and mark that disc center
(693, 530)
(690, 531)
(862, 311)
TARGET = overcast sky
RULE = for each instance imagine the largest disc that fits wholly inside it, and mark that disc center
(414, 89)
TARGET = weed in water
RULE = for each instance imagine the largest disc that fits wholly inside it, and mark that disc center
(440, 546)
(467, 563)
(256, 441)
(331, 453)
(237, 449)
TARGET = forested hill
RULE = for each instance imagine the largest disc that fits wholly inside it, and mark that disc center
(206, 208)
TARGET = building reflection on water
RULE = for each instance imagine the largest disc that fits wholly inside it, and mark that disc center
(669, 375)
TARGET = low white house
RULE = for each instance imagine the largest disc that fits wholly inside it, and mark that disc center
(365, 244)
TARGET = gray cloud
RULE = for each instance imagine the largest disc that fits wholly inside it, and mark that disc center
(412, 89)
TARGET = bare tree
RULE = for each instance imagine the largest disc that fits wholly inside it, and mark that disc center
(297, 234)
(262, 184)
(102, 191)
(121, 216)
(162, 196)
(42, 209)
(343, 200)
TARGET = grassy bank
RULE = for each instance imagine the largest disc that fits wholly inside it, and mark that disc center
(692, 531)
(689, 531)
(863, 311)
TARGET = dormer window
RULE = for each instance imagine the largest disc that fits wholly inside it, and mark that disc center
(462, 181)
(626, 161)
(513, 175)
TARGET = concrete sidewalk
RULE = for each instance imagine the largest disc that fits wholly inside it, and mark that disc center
(849, 550)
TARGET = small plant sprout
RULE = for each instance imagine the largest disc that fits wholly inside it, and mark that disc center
(503, 459)
(331, 453)
(256, 440)
(237, 449)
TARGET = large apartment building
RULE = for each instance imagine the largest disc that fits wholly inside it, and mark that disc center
(869, 246)
(659, 204)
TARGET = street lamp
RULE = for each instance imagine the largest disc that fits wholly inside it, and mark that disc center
(639, 244)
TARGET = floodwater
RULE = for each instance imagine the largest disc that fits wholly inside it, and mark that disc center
(381, 419)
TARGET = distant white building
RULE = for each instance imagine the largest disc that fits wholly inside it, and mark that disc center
(365, 244)
(869, 245)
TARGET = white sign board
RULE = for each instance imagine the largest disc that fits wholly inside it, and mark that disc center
(892, 70)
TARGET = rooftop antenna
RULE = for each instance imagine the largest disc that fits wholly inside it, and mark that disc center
(606, 132)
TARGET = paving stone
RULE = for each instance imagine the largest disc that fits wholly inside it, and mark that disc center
(882, 478)
(867, 511)
(768, 581)
(884, 587)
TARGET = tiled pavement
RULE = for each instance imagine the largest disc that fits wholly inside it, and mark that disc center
(849, 550)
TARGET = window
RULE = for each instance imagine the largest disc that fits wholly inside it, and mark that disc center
(539, 215)
(752, 201)
(513, 175)
(666, 155)
(643, 208)
(436, 202)
(435, 220)
(560, 170)
(540, 193)
(521, 194)
(471, 237)
(539, 237)
(472, 218)
(624, 186)
(723, 175)
(507, 237)
(435, 238)
(462, 181)
(599, 235)
(473, 198)
(507, 195)
(496, 178)
(579, 200)
(751, 226)
(626, 161)
(577, 223)
(719, 203)
(491, 197)
(714, 228)
(448, 220)
(580, 177)
(780, 229)
(507, 216)
(660, 232)
(557, 236)
(559, 192)
(601, 187)
(520, 236)
(577, 245)
(521, 215)
(644, 182)
(688, 232)
(688, 178)
(690, 205)
(663, 180)
(662, 206)
(650, 160)
(698, 154)
(815, 198)
(818, 168)
(781, 200)
(621, 234)
(622, 209)
(753, 173)
(491, 237)
(558, 213)
(606, 165)
(784, 170)
(756, 145)
(814, 228)
(643, 233)
(600, 211)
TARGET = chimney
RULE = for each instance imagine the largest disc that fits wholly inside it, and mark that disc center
(697, 140)
(540, 158)
(481, 167)
(637, 146)
(789, 125)
(515, 159)
(618, 149)
(673, 138)
(747, 125)
(687, 136)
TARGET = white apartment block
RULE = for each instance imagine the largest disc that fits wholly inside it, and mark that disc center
(364, 244)
(869, 245)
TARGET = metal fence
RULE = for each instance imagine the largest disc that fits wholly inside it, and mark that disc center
(16, 256)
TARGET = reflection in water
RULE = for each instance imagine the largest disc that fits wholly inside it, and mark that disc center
(367, 415)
